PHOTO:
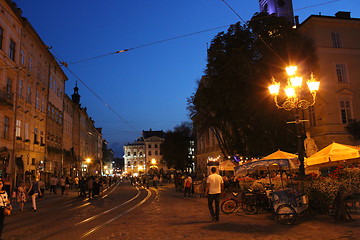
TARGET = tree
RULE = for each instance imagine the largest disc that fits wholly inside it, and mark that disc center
(232, 99)
(353, 128)
(175, 148)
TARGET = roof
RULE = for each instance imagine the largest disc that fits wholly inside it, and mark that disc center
(149, 134)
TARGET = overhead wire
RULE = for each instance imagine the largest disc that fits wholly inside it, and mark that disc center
(147, 44)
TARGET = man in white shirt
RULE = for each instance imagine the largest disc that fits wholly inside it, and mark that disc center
(214, 187)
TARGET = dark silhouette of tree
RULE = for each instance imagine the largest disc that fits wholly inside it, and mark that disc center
(175, 148)
(232, 99)
(353, 128)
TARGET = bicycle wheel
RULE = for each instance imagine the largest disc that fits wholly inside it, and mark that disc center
(228, 206)
(285, 214)
(249, 207)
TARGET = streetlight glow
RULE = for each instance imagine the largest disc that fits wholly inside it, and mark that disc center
(295, 91)
(88, 160)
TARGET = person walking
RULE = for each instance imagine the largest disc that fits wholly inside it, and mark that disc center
(67, 185)
(21, 195)
(187, 186)
(214, 187)
(90, 186)
(82, 187)
(62, 184)
(53, 183)
(4, 203)
(34, 191)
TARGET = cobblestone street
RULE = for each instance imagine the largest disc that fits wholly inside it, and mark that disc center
(171, 216)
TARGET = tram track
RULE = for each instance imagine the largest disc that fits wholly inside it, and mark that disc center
(79, 219)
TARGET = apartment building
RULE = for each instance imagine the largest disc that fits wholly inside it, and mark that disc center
(336, 40)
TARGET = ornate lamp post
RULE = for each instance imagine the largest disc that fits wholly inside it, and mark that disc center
(298, 96)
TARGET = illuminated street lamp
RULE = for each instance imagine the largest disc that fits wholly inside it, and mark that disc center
(88, 160)
(295, 91)
(153, 161)
(298, 96)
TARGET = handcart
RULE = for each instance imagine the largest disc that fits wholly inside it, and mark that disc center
(287, 202)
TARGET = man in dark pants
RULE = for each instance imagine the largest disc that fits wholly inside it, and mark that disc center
(214, 188)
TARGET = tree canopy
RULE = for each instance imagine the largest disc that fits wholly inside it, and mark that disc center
(232, 97)
(175, 148)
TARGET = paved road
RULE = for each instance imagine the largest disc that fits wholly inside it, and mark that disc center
(159, 214)
(170, 216)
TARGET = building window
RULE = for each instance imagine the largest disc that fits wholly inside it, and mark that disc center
(37, 100)
(30, 64)
(140, 154)
(149, 146)
(12, 50)
(22, 57)
(20, 90)
(341, 73)
(128, 154)
(312, 117)
(18, 128)
(26, 132)
(28, 94)
(345, 109)
(42, 138)
(36, 136)
(1, 37)
(8, 88)
(149, 153)
(335, 37)
(129, 164)
(6, 127)
(134, 154)
(156, 145)
(156, 152)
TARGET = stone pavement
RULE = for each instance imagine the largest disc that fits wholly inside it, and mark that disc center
(171, 216)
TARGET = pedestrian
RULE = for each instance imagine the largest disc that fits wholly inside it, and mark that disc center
(214, 187)
(62, 184)
(21, 195)
(76, 182)
(82, 187)
(34, 191)
(90, 186)
(96, 187)
(155, 180)
(187, 186)
(67, 185)
(4, 203)
(53, 183)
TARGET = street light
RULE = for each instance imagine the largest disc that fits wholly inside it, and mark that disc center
(88, 160)
(298, 96)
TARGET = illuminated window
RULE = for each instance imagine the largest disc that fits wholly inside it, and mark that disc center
(18, 128)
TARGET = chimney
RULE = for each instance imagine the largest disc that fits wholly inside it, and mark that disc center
(342, 15)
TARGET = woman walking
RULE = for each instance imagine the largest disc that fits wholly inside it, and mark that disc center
(21, 195)
(4, 203)
(34, 192)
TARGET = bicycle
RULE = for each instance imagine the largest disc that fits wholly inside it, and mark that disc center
(237, 202)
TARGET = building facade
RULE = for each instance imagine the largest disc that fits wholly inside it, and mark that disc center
(134, 158)
(338, 100)
(39, 136)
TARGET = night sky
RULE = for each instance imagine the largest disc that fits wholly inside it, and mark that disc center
(146, 87)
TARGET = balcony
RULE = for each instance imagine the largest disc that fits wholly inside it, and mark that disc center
(6, 97)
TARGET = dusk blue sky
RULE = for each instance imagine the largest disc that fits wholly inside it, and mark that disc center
(148, 86)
